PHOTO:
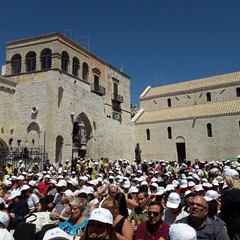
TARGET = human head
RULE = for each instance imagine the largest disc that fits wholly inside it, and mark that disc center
(77, 206)
(112, 205)
(155, 211)
(100, 225)
(198, 208)
(112, 190)
(142, 198)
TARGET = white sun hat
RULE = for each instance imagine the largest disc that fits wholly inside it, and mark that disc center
(101, 215)
(173, 200)
(182, 231)
(55, 234)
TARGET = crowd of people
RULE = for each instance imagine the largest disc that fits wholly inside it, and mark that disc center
(120, 200)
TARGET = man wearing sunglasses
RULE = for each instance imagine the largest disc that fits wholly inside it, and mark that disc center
(205, 227)
(153, 228)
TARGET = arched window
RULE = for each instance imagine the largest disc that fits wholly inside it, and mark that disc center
(169, 129)
(30, 62)
(169, 102)
(65, 61)
(75, 66)
(85, 71)
(46, 59)
(148, 134)
(209, 130)
(16, 64)
(238, 92)
(209, 97)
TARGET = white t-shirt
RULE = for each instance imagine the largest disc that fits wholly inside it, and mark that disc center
(32, 201)
(171, 218)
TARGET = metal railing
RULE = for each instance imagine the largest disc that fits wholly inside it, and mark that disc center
(28, 155)
(98, 89)
(117, 98)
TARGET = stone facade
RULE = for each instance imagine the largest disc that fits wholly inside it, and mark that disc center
(189, 120)
(75, 105)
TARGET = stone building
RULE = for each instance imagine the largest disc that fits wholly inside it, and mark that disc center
(60, 98)
(189, 120)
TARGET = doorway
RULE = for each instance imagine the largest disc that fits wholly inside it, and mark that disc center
(181, 151)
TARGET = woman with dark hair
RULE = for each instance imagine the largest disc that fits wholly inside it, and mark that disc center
(123, 228)
(100, 226)
(122, 203)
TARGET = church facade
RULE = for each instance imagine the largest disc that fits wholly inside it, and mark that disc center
(197, 119)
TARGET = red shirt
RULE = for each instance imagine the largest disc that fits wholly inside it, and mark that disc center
(43, 188)
(160, 234)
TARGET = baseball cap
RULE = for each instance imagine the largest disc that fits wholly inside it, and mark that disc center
(133, 189)
(173, 200)
(69, 193)
(180, 231)
(25, 187)
(13, 194)
(211, 195)
(183, 183)
(61, 183)
(231, 173)
(101, 215)
(4, 218)
(55, 234)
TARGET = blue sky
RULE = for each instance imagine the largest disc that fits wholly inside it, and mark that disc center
(155, 42)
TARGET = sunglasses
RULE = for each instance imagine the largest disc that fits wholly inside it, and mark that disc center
(155, 214)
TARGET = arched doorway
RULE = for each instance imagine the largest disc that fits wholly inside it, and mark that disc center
(59, 146)
(181, 149)
(82, 132)
(33, 135)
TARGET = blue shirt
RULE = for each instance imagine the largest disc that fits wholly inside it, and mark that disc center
(73, 230)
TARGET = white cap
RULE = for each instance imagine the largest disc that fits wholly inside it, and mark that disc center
(133, 189)
(184, 183)
(191, 184)
(160, 191)
(170, 187)
(61, 183)
(7, 183)
(101, 215)
(33, 183)
(25, 187)
(126, 184)
(56, 233)
(154, 185)
(182, 231)
(4, 218)
(14, 193)
(20, 177)
(188, 192)
(211, 195)
(73, 182)
(198, 188)
(69, 193)
(231, 173)
(173, 200)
